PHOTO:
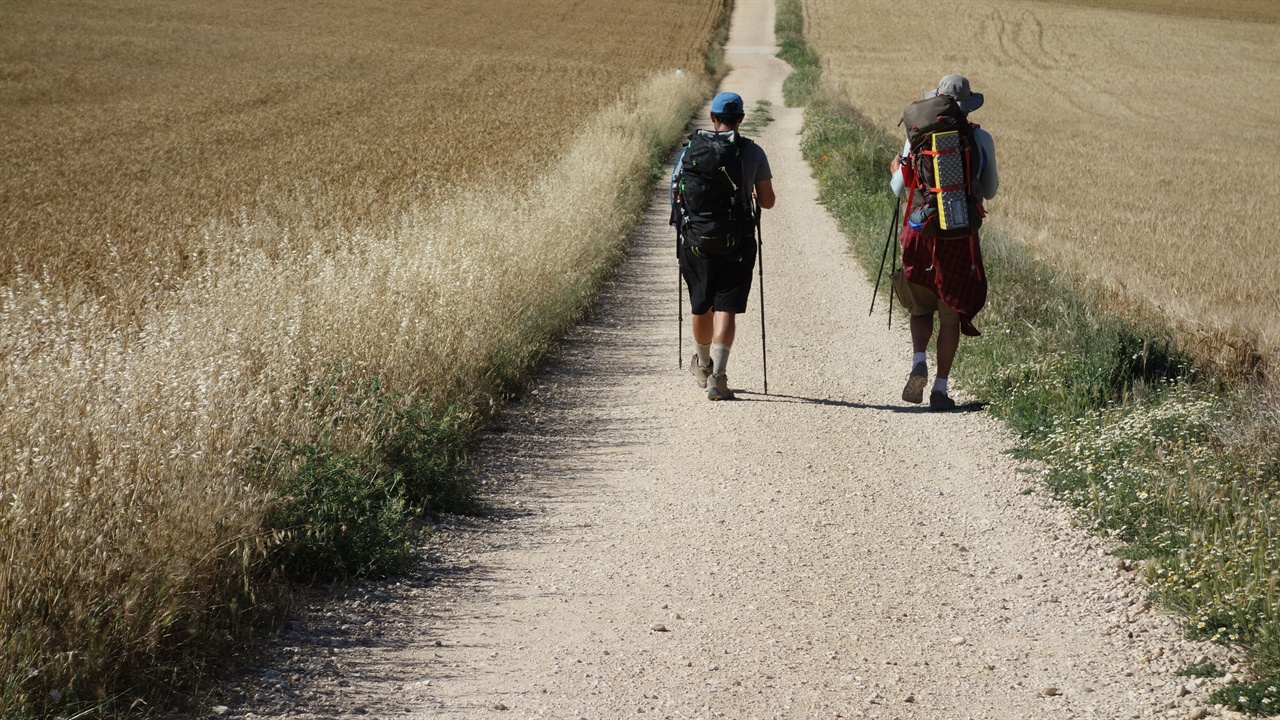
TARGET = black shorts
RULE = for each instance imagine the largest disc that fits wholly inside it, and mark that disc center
(718, 283)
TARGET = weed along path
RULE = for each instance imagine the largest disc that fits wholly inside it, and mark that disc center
(822, 551)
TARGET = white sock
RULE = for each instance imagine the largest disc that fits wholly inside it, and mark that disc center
(918, 358)
(719, 357)
(940, 385)
(704, 354)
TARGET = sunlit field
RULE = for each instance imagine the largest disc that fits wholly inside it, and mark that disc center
(213, 217)
(1129, 134)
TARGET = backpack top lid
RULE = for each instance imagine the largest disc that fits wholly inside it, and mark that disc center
(932, 114)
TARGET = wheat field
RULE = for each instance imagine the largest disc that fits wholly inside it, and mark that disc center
(207, 208)
(126, 125)
(1131, 138)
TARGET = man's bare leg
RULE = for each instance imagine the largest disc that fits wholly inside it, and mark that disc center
(725, 328)
(700, 367)
(713, 334)
(703, 328)
(921, 332)
(948, 343)
(714, 328)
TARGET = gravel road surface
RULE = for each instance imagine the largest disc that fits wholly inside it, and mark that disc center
(822, 551)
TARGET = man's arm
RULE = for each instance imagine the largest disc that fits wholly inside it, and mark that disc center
(989, 179)
(896, 183)
(764, 194)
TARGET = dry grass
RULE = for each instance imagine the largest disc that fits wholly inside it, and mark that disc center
(1131, 145)
(209, 205)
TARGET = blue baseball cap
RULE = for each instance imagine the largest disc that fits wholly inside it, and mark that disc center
(727, 103)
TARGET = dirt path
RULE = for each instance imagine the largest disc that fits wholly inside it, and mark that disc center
(823, 551)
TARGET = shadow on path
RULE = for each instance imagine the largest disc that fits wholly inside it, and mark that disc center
(829, 402)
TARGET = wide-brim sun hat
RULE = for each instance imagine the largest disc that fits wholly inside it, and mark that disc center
(957, 86)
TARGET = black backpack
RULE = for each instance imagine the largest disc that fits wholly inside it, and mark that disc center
(710, 207)
(941, 169)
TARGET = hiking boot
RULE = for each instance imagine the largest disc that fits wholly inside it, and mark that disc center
(718, 388)
(914, 391)
(941, 401)
(700, 372)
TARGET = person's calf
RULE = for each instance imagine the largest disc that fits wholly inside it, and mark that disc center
(948, 344)
(703, 328)
(921, 331)
(726, 327)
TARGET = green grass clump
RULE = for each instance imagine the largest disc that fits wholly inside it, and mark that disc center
(376, 461)
(1207, 670)
(1161, 455)
(1257, 698)
(342, 515)
(758, 119)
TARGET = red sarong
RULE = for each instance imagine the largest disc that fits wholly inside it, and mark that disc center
(952, 269)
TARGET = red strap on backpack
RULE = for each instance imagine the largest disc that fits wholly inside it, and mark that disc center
(908, 168)
(910, 181)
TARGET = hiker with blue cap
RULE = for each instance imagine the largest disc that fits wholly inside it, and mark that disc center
(720, 183)
(946, 171)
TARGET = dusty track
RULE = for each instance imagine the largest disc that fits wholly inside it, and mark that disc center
(823, 551)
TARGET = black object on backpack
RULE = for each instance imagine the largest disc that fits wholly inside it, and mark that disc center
(711, 208)
(941, 169)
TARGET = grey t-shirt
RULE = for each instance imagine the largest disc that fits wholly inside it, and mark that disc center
(755, 166)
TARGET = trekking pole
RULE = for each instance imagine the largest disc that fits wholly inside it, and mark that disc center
(893, 267)
(679, 308)
(893, 224)
(764, 351)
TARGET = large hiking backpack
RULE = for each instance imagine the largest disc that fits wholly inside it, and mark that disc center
(941, 169)
(710, 207)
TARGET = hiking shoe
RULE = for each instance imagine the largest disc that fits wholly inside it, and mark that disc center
(914, 391)
(700, 372)
(941, 401)
(718, 388)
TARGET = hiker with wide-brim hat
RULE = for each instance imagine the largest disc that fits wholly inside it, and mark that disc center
(718, 185)
(946, 170)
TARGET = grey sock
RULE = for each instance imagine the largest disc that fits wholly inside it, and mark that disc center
(719, 357)
(704, 353)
